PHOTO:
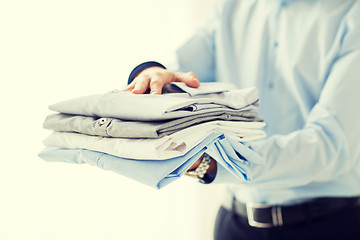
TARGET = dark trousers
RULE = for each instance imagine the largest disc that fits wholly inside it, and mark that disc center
(341, 225)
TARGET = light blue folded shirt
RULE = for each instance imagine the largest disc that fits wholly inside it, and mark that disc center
(159, 173)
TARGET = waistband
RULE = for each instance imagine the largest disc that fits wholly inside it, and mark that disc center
(268, 216)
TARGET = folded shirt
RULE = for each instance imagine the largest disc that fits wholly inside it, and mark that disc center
(148, 107)
(169, 146)
(155, 139)
(230, 154)
(112, 127)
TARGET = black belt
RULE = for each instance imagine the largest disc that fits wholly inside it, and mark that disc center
(267, 216)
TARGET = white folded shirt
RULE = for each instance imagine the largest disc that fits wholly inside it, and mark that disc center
(147, 107)
(169, 146)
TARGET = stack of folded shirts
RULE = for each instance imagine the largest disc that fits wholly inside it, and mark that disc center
(154, 139)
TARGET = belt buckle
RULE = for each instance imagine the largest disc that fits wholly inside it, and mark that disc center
(276, 215)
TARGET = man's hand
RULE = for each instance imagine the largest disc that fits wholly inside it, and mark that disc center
(154, 78)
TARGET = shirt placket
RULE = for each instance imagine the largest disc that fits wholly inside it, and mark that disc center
(269, 83)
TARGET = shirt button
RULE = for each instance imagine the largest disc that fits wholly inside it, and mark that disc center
(283, 4)
(276, 44)
(102, 121)
(271, 85)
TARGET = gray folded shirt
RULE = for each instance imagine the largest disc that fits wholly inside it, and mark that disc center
(112, 127)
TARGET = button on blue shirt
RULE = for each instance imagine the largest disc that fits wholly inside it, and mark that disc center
(283, 3)
(304, 56)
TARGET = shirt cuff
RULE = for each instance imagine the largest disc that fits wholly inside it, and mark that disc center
(209, 177)
(141, 67)
(224, 176)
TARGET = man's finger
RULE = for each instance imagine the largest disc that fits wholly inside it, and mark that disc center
(141, 85)
(130, 87)
(188, 78)
(156, 84)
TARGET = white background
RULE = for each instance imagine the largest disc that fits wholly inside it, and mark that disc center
(55, 50)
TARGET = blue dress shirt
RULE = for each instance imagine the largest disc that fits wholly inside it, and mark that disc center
(304, 56)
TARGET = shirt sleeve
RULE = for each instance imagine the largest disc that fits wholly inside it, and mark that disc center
(198, 53)
(327, 147)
